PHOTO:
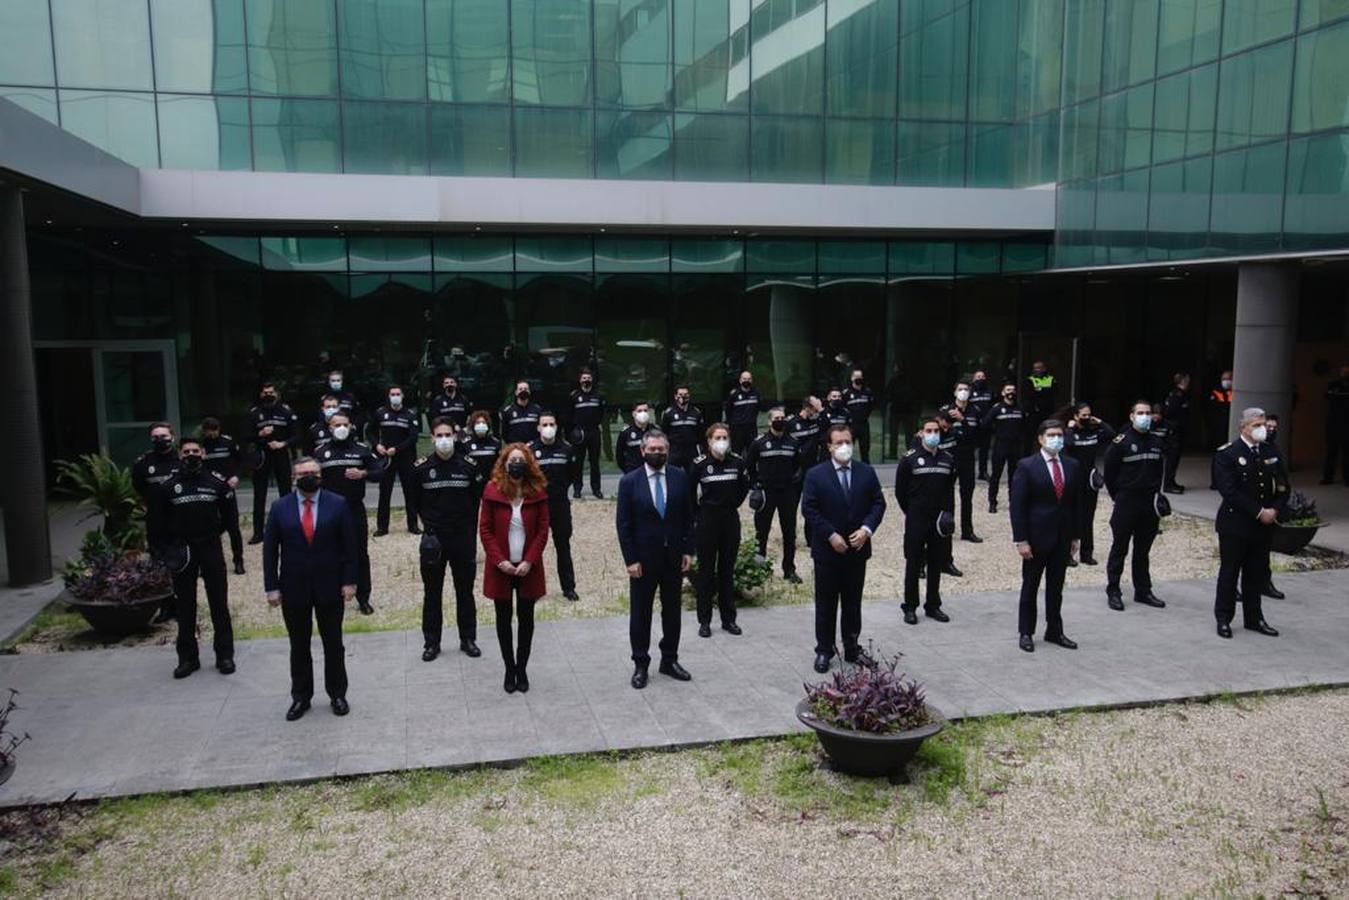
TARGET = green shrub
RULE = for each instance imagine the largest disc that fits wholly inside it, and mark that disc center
(749, 575)
(96, 482)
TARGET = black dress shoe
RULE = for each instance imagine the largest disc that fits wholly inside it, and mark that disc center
(257, 539)
(471, 648)
(576, 495)
(731, 628)
(522, 680)
(340, 706)
(185, 669)
(238, 567)
(1088, 561)
(910, 617)
(365, 607)
(950, 569)
(1173, 489)
(297, 709)
(1264, 628)
(599, 495)
(1224, 630)
(822, 663)
(675, 671)
(1150, 599)
(430, 653)
(509, 682)
(413, 529)
(704, 629)
(224, 666)
(639, 677)
(1062, 640)
(936, 614)
(1072, 563)
(379, 532)
(166, 614)
(972, 538)
(1027, 643)
(792, 577)
(857, 656)
(1115, 600)
(1272, 592)
(993, 507)
(571, 595)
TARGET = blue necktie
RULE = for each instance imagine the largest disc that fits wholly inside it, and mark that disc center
(847, 485)
(660, 494)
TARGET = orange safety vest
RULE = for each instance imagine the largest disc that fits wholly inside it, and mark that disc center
(1221, 396)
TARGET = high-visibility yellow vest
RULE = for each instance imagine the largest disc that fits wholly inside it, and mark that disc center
(1042, 382)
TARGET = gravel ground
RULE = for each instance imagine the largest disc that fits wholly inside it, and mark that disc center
(1187, 548)
(1172, 800)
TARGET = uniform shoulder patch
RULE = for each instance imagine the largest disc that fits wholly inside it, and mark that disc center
(421, 460)
(1119, 438)
(911, 451)
(1225, 446)
(699, 458)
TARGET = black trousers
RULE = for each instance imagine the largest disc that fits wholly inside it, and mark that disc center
(1337, 452)
(300, 614)
(458, 551)
(861, 435)
(559, 529)
(515, 657)
(231, 525)
(1052, 565)
(1247, 558)
(742, 436)
(839, 583)
(1088, 499)
(1174, 442)
(208, 562)
(984, 440)
(587, 449)
(276, 465)
(356, 509)
(1134, 519)
(718, 541)
(782, 501)
(662, 575)
(966, 476)
(402, 465)
(923, 547)
(1002, 456)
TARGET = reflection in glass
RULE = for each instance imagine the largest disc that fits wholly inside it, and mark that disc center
(701, 326)
(122, 124)
(553, 143)
(552, 321)
(295, 136)
(632, 53)
(470, 336)
(861, 53)
(632, 338)
(1247, 198)
(550, 42)
(383, 49)
(859, 151)
(27, 56)
(933, 56)
(470, 140)
(1316, 214)
(786, 149)
(787, 57)
(468, 50)
(931, 153)
(711, 47)
(633, 144)
(1253, 95)
(102, 44)
(204, 132)
(199, 46)
(711, 147)
(292, 47)
(384, 138)
(778, 326)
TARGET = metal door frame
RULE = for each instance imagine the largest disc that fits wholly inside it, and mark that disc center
(1023, 365)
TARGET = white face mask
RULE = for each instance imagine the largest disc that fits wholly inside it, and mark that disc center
(329, 412)
(642, 417)
(480, 429)
(395, 400)
(720, 446)
(548, 432)
(1259, 433)
(341, 432)
(335, 383)
(962, 395)
(1227, 384)
(445, 445)
(843, 452)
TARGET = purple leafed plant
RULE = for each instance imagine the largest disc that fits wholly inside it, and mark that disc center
(105, 573)
(872, 696)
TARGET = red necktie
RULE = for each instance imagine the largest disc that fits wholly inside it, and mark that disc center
(307, 520)
(1058, 477)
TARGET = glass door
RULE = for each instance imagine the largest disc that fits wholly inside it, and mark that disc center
(136, 385)
(1059, 353)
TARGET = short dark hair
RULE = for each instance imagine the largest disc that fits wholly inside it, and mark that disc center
(1140, 402)
(265, 385)
(210, 423)
(1270, 415)
(154, 425)
(833, 429)
(326, 397)
(1179, 377)
(930, 420)
(1048, 424)
(586, 371)
(441, 420)
(640, 403)
(549, 413)
(189, 439)
(394, 387)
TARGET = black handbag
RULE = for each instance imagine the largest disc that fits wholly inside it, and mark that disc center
(429, 549)
(1160, 505)
(1095, 480)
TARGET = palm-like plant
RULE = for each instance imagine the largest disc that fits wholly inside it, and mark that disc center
(106, 489)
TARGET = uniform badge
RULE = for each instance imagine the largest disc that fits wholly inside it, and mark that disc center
(768, 445)
(327, 454)
(152, 470)
(1133, 448)
(921, 461)
(433, 473)
(177, 488)
(709, 468)
(1241, 460)
(386, 416)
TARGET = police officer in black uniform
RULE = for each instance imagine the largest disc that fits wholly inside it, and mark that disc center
(773, 463)
(683, 425)
(275, 429)
(628, 445)
(481, 448)
(223, 457)
(346, 400)
(346, 465)
(964, 420)
(587, 415)
(858, 399)
(193, 503)
(318, 433)
(950, 443)
(981, 398)
(835, 411)
(1085, 438)
(742, 413)
(720, 483)
(1133, 476)
(556, 458)
(450, 404)
(150, 470)
(520, 419)
(448, 485)
(925, 480)
(1245, 473)
(1282, 483)
(1006, 422)
(1176, 414)
(395, 430)
(804, 427)
(1337, 428)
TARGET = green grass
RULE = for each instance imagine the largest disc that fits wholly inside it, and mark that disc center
(54, 617)
(577, 782)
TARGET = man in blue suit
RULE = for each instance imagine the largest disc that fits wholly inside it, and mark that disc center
(309, 555)
(1045, 528)
(843, 505)
(655, 533)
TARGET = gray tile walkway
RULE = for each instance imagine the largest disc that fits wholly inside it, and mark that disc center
(113, 722)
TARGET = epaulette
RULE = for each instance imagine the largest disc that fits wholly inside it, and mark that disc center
(226, 437)
(699, 458)
(911, 451)
(1225, 446)
(1118, 438)
(218, 477)
(421, 460)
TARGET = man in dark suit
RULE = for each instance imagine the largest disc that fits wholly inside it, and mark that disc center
(309, 555)
(1248, 475)
(843, 504)
(1044, 498)
(655, 533)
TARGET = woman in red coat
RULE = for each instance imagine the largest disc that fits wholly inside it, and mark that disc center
(513, 525)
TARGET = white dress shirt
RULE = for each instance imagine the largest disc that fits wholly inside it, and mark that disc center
(516, 536)
(651, 476)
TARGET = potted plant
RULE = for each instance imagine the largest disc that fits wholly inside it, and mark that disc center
(96, 482)
(116, 590)
(9, 742)
(870, 718)
(1297, 524)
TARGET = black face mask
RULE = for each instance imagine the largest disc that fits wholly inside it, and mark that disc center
(857, 382)
(162, 444)
(450, 389)
(268, 399)
(192, 463)
(1270, 434)
(746, 385)
(307, 483)
(777, 424)
(523, 396)
(516, 470)
(835, 404)
(1009, 398)
(586, 385)
(654, 460)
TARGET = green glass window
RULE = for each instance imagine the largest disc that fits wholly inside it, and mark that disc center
(554, 254)
(292, 47)
(780, 255)
(633, 144)
(122, 124)
(314, 254)
(1039, 56)
(1126, 129)
(383, 253)
(204, 132)
(553, 143)
(922, 258)
(632, 254)
(991, 155)
(380, 138)
(1187, 33)
(861, 55)
(470, 140)
(711, 54)
(852, 257)
(550, 43)
(1024, 256)
(474, 253)
(1130, 47)
(1035, 151)
(786, 149)
(707, 255)
(1083, 30)
(1122, 216)
(1248, 198)
(102, 44)
(1184, 115)
(977, 257)
(27, 55)
(1178, 213)
(39, 101)
(1250, 22)
(993, 54)
(787, 57)
(199, 48)
(1315, 211)
(383, 49)
(859, 151)
(1073, 238)
(1317, 12)
(931, 153)
(632, 53)
(711, 147)
(934, 59)
(1253, 95)
(1081, 128)
(468, 50)
(296, 136)
(1321, 84)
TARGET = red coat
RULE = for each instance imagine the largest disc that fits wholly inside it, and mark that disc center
(494, 527)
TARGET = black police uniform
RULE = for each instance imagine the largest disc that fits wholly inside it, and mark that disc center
(628, 448)
(347, 403)
(397, 430)
(966, 433)
(1006, 422)
(556, 460)
(925, 483)
(859, 402)
(454, 407)
(742, 415)
(192, 508)
(1337, 430)
(1176, 412)
(720, 486)
(319, 434)
(981, 400)
(520, 424)
(285, 427)
(222, 457)
(150, 470)
(773, 462)
(447, 500)
(805, 430)
(483, 453)
(833, 414)
(1133, 476)
(684, 427)
(334, 460)
(1085, 445)
(587, 414)
(1247, 479)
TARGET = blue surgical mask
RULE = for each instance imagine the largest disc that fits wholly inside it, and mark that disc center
(1142, 421)
(1054, 443)
(931, 440)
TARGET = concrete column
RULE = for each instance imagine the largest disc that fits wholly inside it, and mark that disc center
(23, 489)
(1262, 365)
